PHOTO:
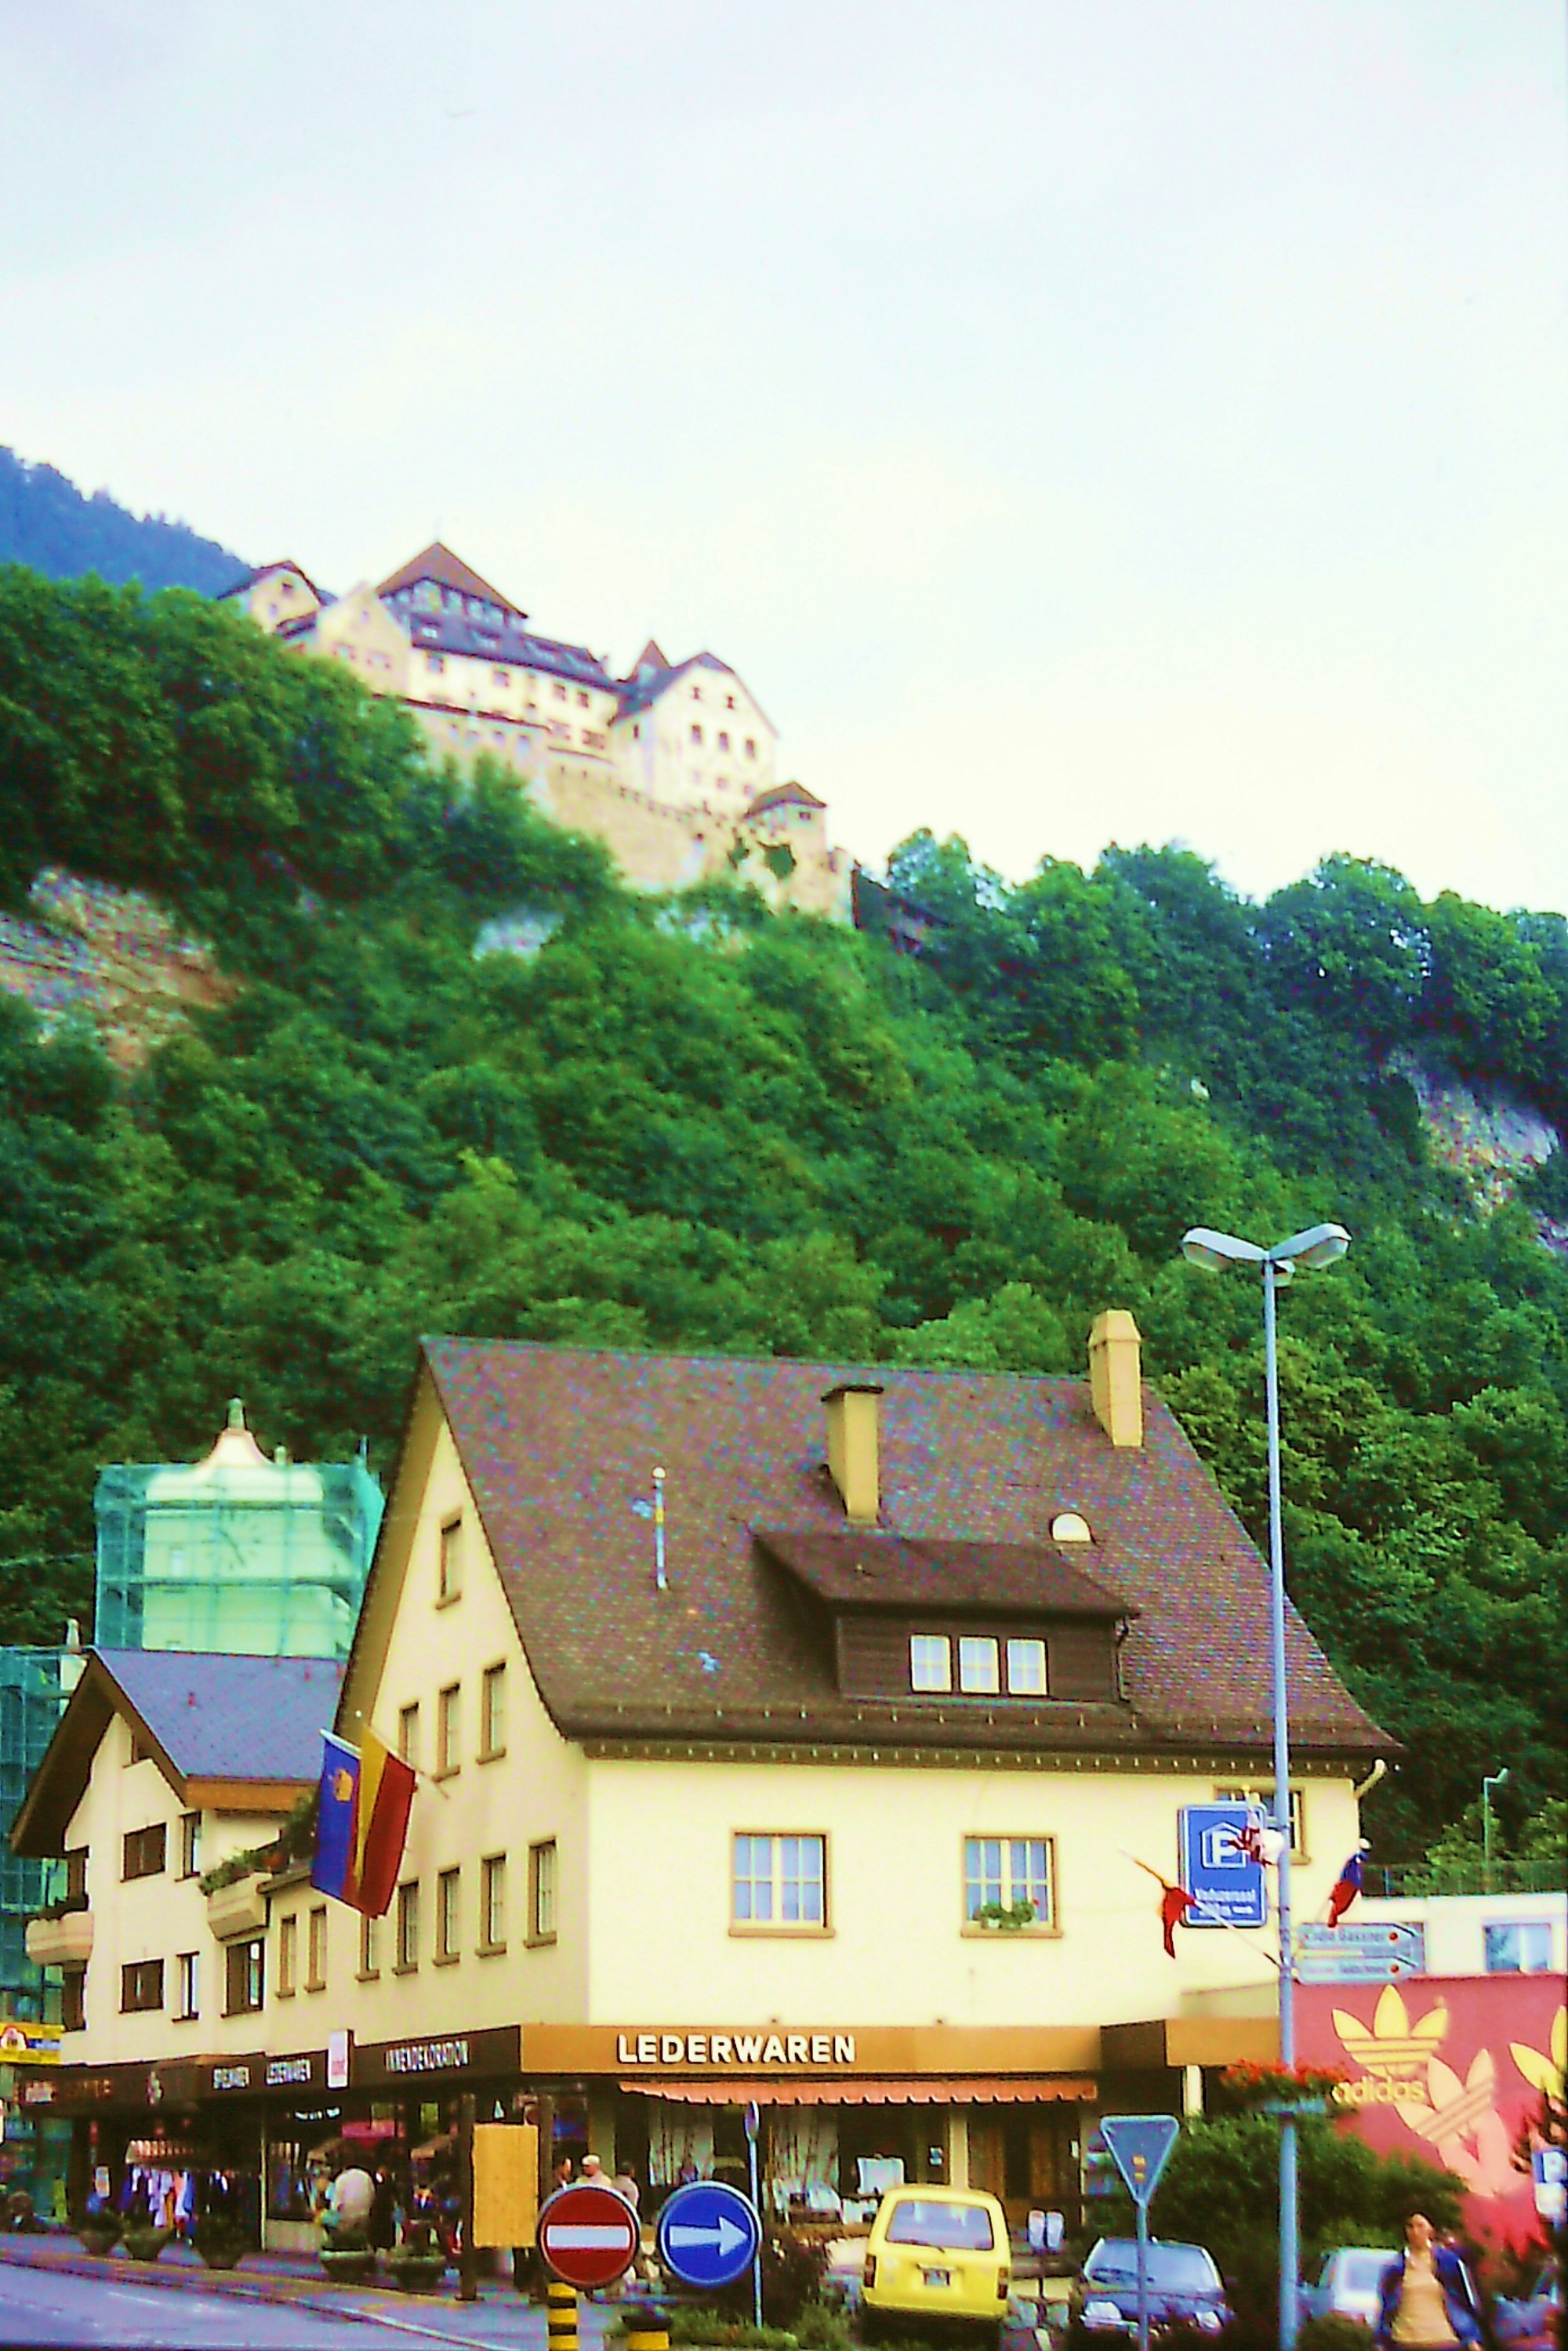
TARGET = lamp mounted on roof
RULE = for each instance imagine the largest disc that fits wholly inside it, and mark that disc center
(854, 1433)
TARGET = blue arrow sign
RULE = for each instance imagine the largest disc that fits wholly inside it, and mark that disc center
(708, 2234)
(1140, 2144)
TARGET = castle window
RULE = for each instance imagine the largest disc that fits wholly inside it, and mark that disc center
(636, 734)
(697, 693)
(696, 734)
(724, 742)
(729, 702)
(558, 690)
(582, 701)
(750, 749)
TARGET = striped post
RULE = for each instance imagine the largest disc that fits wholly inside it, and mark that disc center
(646, 2329)
(561, 2318)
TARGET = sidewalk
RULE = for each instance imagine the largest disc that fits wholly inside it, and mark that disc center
(501, 2316)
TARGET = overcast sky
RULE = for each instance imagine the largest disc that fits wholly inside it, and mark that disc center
(1077, 419)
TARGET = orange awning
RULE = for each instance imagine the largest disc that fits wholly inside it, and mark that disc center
(917, 2090)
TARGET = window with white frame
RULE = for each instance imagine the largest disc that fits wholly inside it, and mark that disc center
(493, 1902)
(187, 1986)
(979, 1664)
(1008, 1881)
(780, 1882)
(542, 1891)
(930, 1661)
(1027, 1668)
(1261, 1794)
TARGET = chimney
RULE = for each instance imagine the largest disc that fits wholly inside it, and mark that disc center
(1115, 1376)
(854, 1419)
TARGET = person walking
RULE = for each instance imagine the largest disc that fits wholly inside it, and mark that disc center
(1427, 2298)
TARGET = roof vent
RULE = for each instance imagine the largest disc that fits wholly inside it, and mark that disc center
(1070, 1526)
(854, 1428)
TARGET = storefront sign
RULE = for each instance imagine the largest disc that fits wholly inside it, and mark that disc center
(227, 2075)
(734, 2050)
(338, 2047)
(494, 2050)
(291, 2072)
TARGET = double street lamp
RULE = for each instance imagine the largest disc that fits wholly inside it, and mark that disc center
(1320, 1245)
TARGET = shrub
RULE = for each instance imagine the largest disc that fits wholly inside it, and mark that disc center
(1333, 2332)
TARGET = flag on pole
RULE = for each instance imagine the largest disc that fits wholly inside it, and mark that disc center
(365, 1796)
(1345, 1888)
(1174, 1904)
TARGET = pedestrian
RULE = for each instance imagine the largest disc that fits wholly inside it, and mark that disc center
(591, 2173)
(1427, 2297)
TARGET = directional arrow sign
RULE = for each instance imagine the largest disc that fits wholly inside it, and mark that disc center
(708, 2233)
(1140, 2144)
(588, 2234)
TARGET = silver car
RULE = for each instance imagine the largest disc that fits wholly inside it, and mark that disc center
(1349, 2283)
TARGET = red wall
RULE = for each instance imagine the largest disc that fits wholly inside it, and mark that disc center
(1450, 2067)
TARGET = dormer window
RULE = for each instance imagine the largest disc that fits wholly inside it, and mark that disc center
(930, 1661)
(1026, 1668)
(979, 1665)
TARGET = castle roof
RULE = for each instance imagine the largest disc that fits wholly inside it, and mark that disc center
(439, 564)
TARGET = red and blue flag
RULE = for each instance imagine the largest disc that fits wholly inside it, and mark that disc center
(361, 1826)
(1345, 1888)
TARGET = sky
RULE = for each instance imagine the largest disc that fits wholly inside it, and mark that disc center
(1078, 421)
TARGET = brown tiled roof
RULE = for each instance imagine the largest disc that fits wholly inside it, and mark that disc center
(871, 1570)
(448, 571)
(784, 796)
(559, 1446)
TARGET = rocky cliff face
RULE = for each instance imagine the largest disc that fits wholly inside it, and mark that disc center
(110, 957)
(1489, 1134)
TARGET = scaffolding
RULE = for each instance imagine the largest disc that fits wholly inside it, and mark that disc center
(239, 1553)
(34, 1686)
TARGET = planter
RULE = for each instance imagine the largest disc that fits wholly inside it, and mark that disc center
(416, 2272)
(221, 2257)
(100, 2240)
(348, 2268)
(146, 2244)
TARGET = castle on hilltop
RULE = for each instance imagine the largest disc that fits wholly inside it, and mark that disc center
(672, 766)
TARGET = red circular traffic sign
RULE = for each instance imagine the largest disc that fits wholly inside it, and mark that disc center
(588, 2234)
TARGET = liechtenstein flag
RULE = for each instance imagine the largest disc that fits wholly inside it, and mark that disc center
(363, 1823)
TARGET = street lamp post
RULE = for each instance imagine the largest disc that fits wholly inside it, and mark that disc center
(1320, 1245)
(1493, 1780)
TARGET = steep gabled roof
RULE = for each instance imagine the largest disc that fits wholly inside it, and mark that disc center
(448, 571)
(559, 1446)
(266, 571)
(645, 684)
(248, 1727)
(784, 796)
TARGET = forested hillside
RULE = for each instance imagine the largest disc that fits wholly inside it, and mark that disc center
(698, 1125)
(45, 522)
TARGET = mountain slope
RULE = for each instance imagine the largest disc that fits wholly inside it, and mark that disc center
(697, 1124)
(45, 521)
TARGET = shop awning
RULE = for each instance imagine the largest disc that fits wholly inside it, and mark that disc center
(918, 2090)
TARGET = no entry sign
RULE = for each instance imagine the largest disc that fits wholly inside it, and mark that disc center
(588, 2235)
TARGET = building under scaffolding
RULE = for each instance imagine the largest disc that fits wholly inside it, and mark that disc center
(34, 1687)
(238, 1554)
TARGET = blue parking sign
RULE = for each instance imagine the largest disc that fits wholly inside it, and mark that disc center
(1216, 1869)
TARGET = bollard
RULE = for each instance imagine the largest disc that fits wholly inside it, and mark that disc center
(560, 2320)
(645, 2329)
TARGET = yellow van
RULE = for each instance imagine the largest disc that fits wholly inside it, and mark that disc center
(935, 2254)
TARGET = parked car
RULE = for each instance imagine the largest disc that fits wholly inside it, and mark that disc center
(935, 2254)
(1531, 2322)
(1184, 2287)
(1349, 2283)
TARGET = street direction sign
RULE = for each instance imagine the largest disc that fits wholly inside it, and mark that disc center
(708, 2233)
(1140, 2144)
(588, 2234)
(1369, 1952)
(1216, 1869)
